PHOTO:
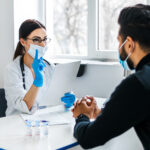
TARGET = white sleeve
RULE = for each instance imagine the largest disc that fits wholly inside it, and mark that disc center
(14, 90)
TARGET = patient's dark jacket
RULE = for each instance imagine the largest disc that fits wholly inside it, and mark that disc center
(128, 106)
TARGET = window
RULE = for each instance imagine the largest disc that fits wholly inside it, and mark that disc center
(84, 28)
(108, 13)
(69, 26)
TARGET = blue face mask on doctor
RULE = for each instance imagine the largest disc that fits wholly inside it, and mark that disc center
(124, 62)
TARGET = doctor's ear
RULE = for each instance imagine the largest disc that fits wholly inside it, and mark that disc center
(22, 41)
(130, 43)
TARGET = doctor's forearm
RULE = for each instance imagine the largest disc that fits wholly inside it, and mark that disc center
(31, 95)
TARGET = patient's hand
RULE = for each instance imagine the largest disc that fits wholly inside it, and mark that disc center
(91, 101)
(87, 106)
(81, 107)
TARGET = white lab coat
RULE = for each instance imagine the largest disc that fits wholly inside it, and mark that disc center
(14, 90)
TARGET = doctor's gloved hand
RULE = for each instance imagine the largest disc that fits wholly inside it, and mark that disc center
(68, 99)
(38, 66)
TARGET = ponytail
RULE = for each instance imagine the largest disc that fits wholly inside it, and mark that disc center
(19, 50)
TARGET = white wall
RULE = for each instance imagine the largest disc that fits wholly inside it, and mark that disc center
(6, 35)
(26, 9)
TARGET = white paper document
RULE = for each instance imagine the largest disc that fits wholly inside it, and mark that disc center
(54, 118)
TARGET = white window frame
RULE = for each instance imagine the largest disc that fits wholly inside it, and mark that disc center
(98, 53)
(93, 52)
(93, 33)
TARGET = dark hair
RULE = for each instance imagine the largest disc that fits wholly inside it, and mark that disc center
(25, 29)
(134, 21)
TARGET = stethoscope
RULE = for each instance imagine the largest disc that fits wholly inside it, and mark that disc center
(22, 69)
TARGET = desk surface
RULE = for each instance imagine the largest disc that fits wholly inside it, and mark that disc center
(13, 135)
(13, 132)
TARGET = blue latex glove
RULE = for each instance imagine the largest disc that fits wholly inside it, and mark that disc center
(68, 99)
(38, 66)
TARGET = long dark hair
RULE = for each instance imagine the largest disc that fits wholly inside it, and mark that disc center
(25, 29)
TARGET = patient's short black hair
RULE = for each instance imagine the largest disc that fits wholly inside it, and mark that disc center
(134, 21)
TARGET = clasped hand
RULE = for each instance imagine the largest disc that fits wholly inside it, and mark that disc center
(87, 106)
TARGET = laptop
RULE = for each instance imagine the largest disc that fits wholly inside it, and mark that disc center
(64, 76)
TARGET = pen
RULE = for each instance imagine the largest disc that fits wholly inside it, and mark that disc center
(54, 123)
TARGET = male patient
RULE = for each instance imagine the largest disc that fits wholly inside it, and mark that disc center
(129, 104)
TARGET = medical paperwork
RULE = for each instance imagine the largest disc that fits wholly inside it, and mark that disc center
(51, 114)
(56, 115)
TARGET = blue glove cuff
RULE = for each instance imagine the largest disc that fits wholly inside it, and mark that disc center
(38, 83)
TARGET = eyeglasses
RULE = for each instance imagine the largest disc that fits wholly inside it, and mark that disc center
(39, 40)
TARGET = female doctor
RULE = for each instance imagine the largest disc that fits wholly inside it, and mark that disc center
(28, 76)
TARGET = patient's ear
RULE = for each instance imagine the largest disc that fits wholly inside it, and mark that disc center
(130, 44)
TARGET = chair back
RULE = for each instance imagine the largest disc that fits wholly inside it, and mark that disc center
(3, 103)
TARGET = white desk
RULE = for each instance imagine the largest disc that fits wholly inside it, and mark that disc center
(13, 136)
